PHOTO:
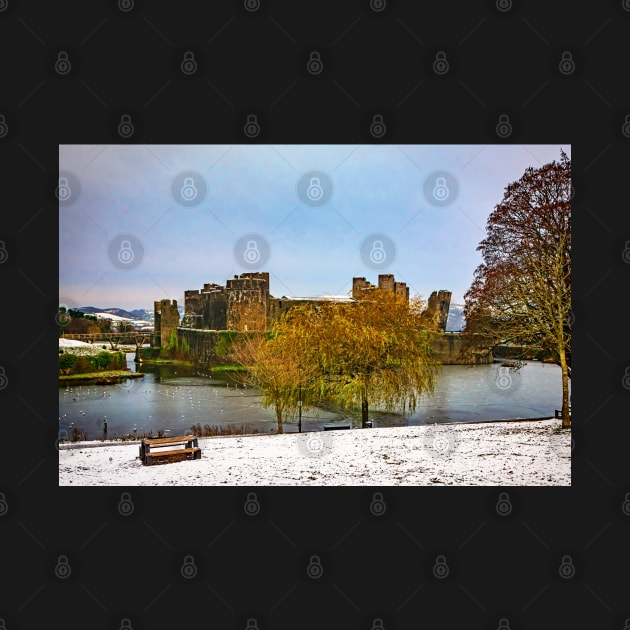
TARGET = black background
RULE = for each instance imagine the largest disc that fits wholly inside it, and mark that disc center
(125, 570)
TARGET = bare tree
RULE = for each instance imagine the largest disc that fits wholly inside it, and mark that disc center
(521, 293)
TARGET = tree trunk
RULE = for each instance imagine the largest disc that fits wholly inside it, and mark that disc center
(364, 411)
(279, 416)
(566, 417)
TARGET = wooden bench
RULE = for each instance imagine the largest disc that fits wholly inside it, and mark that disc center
(160, 450)
(332, 426)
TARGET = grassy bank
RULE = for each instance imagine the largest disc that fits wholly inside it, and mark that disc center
(107, 377)
(167, 362)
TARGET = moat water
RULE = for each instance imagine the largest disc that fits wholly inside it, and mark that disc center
(173, 398)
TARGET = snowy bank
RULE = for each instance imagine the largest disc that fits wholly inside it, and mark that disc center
(515, 453)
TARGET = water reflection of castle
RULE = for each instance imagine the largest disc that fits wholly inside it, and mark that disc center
(244, 303)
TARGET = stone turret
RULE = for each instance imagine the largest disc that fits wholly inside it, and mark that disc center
(386, 282)
(248, 301)
(166, 320)
(437, 309)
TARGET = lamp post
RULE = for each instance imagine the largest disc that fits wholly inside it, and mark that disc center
(299, 399)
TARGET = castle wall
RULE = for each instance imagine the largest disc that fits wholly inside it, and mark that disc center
(245, 303)
(447, 348)
(207, 347)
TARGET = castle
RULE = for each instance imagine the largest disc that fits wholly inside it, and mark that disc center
(244, 303)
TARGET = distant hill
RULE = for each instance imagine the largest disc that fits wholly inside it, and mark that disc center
(455, 319)
(137, 313)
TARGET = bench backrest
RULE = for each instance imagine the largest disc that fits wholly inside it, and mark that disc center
(182, 439)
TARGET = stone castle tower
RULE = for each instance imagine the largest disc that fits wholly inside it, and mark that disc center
(437, 309)
(166, 321)
(248, 301)
(386, 282)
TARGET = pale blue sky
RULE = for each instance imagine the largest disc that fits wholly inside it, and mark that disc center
(137, 190)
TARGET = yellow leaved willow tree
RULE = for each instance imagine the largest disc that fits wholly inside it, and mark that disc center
(373, 351)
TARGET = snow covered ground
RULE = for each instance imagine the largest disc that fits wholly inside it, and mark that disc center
(521, 453)
(73, 346)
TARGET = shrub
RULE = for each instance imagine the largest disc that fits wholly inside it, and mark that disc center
(67, 361)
